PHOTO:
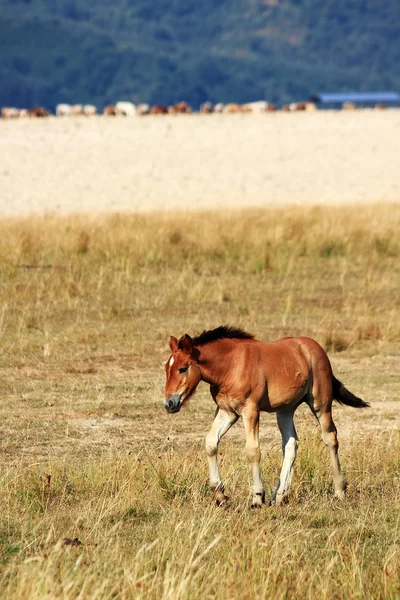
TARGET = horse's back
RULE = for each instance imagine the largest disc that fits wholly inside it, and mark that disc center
(296, 347)
(289, 367)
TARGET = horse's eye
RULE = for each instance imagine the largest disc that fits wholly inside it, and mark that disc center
(183, 370)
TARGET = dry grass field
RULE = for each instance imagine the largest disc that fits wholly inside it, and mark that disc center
(103, 494)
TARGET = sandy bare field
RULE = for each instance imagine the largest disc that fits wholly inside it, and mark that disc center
(198, 161)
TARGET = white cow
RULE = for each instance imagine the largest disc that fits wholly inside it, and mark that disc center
(206, 108)
(142, 109)
(259, 106)
(89, 110)
(77, 110)
(10, 112)
(219, 107)
(128, 109)
(63, 110)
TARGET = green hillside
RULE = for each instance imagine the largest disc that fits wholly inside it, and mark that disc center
(220, 50)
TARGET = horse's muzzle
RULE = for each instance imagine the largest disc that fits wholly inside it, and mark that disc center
(173, 403)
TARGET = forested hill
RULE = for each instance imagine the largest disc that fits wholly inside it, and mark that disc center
(162, 51)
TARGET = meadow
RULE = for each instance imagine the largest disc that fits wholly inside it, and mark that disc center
(103, 494)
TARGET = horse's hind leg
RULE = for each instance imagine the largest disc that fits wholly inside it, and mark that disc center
(329, 437)
(289, 449)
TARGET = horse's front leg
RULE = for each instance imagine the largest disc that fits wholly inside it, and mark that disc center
(222, 422)
(251, 419)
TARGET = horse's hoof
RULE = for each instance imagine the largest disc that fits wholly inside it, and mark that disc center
(258, 500)
(221, 499)
(339, 495)
(279, 501)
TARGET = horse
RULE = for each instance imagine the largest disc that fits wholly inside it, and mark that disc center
(247, 376)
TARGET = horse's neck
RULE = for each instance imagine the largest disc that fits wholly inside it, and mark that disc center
(214, 362)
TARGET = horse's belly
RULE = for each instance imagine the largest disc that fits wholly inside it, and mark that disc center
(277, 396)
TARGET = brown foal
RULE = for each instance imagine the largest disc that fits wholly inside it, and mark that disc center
(247, 376)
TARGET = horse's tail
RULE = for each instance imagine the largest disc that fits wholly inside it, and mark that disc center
(343, 396)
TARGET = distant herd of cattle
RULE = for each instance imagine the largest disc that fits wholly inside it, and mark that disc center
(129, 109)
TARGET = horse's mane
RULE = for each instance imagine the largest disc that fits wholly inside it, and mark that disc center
(220, 333)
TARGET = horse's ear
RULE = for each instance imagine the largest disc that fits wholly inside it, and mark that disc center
(186, 344)
(173, 343)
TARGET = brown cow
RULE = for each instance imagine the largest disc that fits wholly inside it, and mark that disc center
(38, 111)
(232, 108)
(206, 108)
(181, 108)
(297, 106)
(109, 111)
(311, 107)
(349, 106)
(246, 108)
(159, 109)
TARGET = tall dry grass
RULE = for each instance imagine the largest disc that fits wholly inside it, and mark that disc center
(104, 495)
(143, 526)
(272, 270)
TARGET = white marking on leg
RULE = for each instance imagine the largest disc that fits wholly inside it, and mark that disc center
(222, 422)
(171, 362)
(251, 424)
(258, 487)
(289, 449)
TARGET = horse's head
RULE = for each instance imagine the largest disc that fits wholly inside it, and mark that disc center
(183, 373)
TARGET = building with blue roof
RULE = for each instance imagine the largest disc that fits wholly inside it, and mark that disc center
(358, 98)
